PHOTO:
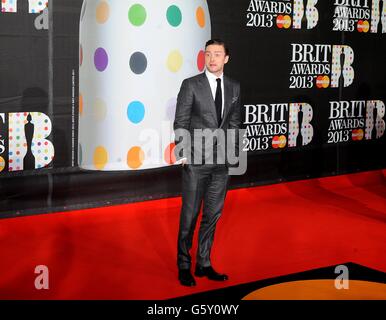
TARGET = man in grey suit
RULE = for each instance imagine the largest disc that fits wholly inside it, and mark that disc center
(211, 101)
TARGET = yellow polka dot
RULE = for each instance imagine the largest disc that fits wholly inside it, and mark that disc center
(102, 12)
(200, 16)
(175, 60)
(135, 157)
(100, 158)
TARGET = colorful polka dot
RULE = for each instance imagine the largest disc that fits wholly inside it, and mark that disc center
(100, 158)
(138, 62)
(201, 60)
(137, 15)
(200, 17)
(174, 61)
(174, 16)
(80, 104)
(102, 12)
(135, 157)
(136, 112)
(169, 155)
(101, 59)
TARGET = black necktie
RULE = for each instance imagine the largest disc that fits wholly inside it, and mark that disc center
(218, 100)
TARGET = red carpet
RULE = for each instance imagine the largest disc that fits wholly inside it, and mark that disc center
(129, 251)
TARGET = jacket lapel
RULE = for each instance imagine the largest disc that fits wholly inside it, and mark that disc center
(227, 98)
(207, 92)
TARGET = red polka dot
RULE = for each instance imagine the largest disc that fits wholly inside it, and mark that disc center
(201, 60)
(169, 156)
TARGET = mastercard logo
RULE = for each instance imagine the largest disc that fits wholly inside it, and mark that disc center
(283, 21)
(322, 81)
(357, 134)
(279, 142)
(363, 26)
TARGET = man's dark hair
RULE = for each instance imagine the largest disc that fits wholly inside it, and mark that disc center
(218, 42)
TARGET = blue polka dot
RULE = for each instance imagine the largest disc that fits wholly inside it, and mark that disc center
(136, 112)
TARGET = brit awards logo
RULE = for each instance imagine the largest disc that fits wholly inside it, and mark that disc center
(23, 141)
(356, 120)
(277, 126)
(360, 15)
(282, 14)
(34, 7)
(321, 66)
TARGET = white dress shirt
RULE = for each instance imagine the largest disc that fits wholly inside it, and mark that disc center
(213, 87)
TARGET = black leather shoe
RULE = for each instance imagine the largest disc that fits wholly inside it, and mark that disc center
(186, 278)
(210, 273)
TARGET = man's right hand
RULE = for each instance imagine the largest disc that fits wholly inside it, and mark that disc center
(182, 161)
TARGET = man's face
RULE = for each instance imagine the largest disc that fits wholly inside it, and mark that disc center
(215, 59)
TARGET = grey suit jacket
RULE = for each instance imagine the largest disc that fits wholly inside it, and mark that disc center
(196, 110)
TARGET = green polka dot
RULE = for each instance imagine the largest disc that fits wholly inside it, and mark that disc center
(137, 15)
(174, 16)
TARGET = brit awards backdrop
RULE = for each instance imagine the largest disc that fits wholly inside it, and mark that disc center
(88, 92)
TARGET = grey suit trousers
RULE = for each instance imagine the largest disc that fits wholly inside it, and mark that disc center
(207, 184)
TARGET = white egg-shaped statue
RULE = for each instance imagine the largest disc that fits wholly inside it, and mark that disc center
(133, 56)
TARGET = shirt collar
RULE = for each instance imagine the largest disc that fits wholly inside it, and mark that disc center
(212, 77)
